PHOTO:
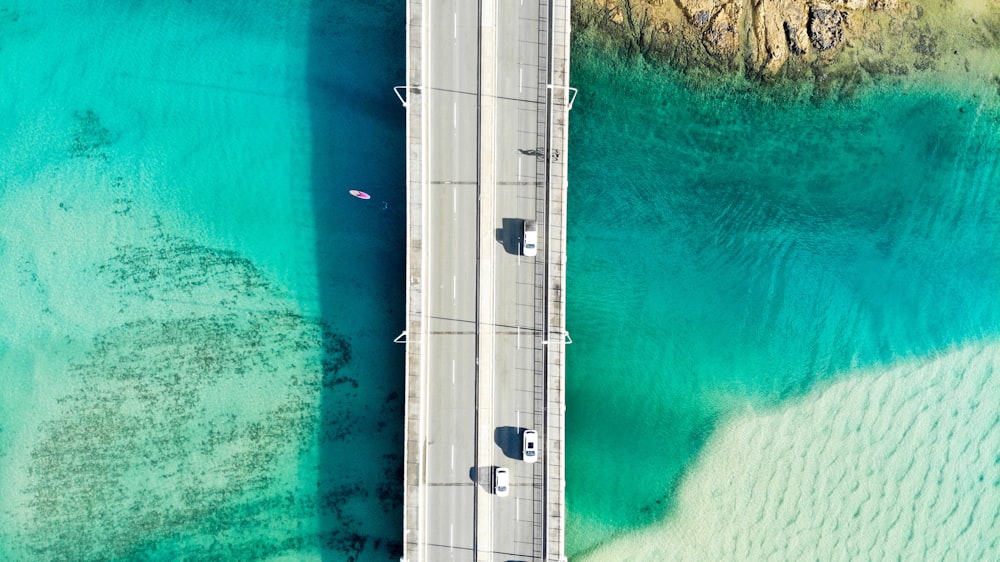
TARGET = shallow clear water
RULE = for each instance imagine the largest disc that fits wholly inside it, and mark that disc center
(195, 317)
(733, 249)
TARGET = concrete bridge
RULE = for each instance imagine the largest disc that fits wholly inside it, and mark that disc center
(487, 102)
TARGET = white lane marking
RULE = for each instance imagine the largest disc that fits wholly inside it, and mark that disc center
(518, 168)
(454, 287)
(456, 25)
(519, 337)
(454, 115)
(520, 79)
(451, 539)
(454, 201)
(452, 456)
(453, 382)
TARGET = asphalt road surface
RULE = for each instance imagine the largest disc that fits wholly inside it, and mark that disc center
(483, 351)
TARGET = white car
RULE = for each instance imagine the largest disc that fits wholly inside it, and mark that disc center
(530, 238)
(501, 481)
(529, 446)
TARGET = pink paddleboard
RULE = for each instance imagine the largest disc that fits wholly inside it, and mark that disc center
(359, 194)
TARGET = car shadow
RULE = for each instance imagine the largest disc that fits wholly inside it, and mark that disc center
(508, 438)
(510, 236)
(483, 476)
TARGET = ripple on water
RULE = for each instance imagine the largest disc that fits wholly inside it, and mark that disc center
(732, 247)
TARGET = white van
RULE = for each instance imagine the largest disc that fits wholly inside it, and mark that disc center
(530, 238)
(529, 446)
(501, 481)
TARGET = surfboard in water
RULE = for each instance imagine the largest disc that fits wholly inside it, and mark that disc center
(359, 194)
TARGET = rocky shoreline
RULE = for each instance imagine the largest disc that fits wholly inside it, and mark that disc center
(838, 41)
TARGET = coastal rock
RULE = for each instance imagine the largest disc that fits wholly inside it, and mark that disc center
(830, 41)
(849, 4)
(720, 35)
(883, 5)
(797, 38)
(717, 23)
(775, 34)
(826, 27)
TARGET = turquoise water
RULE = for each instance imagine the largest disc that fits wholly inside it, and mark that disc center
(195, 317)
(734, 248)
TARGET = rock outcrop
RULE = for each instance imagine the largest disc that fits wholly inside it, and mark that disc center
(717, 22)
(774, 29)
(760, 34)
(806, 38)
(826, 27)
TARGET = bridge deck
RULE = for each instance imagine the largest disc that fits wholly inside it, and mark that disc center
(486, 108)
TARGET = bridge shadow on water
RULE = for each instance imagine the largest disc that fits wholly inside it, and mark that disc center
(356, 55)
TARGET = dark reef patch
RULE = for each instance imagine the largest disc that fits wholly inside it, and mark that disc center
(91, 137)
(178, 428)
(186, 435)
(926, 46)
(180, 267)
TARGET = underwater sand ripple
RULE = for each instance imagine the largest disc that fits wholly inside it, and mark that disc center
(897, 464)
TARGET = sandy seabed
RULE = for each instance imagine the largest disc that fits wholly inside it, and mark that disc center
(896, 464)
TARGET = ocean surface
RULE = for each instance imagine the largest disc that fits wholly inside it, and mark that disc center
(784, 309)
(786, 318)
(196, 319)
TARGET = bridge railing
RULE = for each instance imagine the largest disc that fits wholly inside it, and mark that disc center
(413, 465)
(560, 97)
